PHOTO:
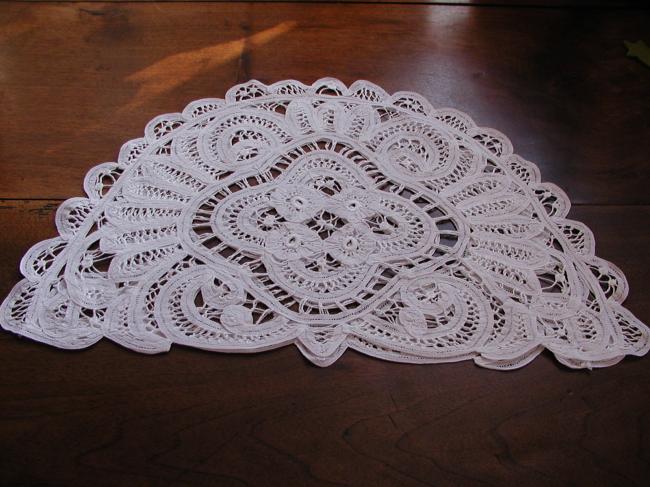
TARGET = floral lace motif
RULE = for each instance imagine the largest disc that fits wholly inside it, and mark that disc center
(331, 217)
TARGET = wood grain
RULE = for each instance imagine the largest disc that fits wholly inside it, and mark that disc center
(76, 80)
(617, 4)
(82, 79)
(107, 416)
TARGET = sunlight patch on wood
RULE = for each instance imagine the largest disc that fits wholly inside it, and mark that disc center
(175, 70)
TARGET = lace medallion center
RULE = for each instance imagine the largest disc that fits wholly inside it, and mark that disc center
(330, 217)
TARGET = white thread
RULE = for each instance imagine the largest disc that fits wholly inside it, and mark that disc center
(329, 217)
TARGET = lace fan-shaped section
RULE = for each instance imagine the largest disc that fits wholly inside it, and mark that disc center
(329, 217)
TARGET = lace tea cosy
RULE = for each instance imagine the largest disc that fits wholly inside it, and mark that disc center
(330, 217)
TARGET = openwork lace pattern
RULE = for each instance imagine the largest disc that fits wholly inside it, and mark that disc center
(330, 217)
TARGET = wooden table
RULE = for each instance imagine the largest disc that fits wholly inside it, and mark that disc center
(78, 79)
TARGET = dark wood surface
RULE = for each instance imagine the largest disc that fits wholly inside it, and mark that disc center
(77, 80)
(80, 79)
(610, 4)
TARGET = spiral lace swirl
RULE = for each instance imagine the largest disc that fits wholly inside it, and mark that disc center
(331, 217)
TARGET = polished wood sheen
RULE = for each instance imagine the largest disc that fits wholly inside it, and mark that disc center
(79, 79)
(482, 3)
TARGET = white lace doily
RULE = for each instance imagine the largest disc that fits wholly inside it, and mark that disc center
(329, 217)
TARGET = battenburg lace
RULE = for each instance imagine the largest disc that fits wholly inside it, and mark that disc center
(332, 218)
